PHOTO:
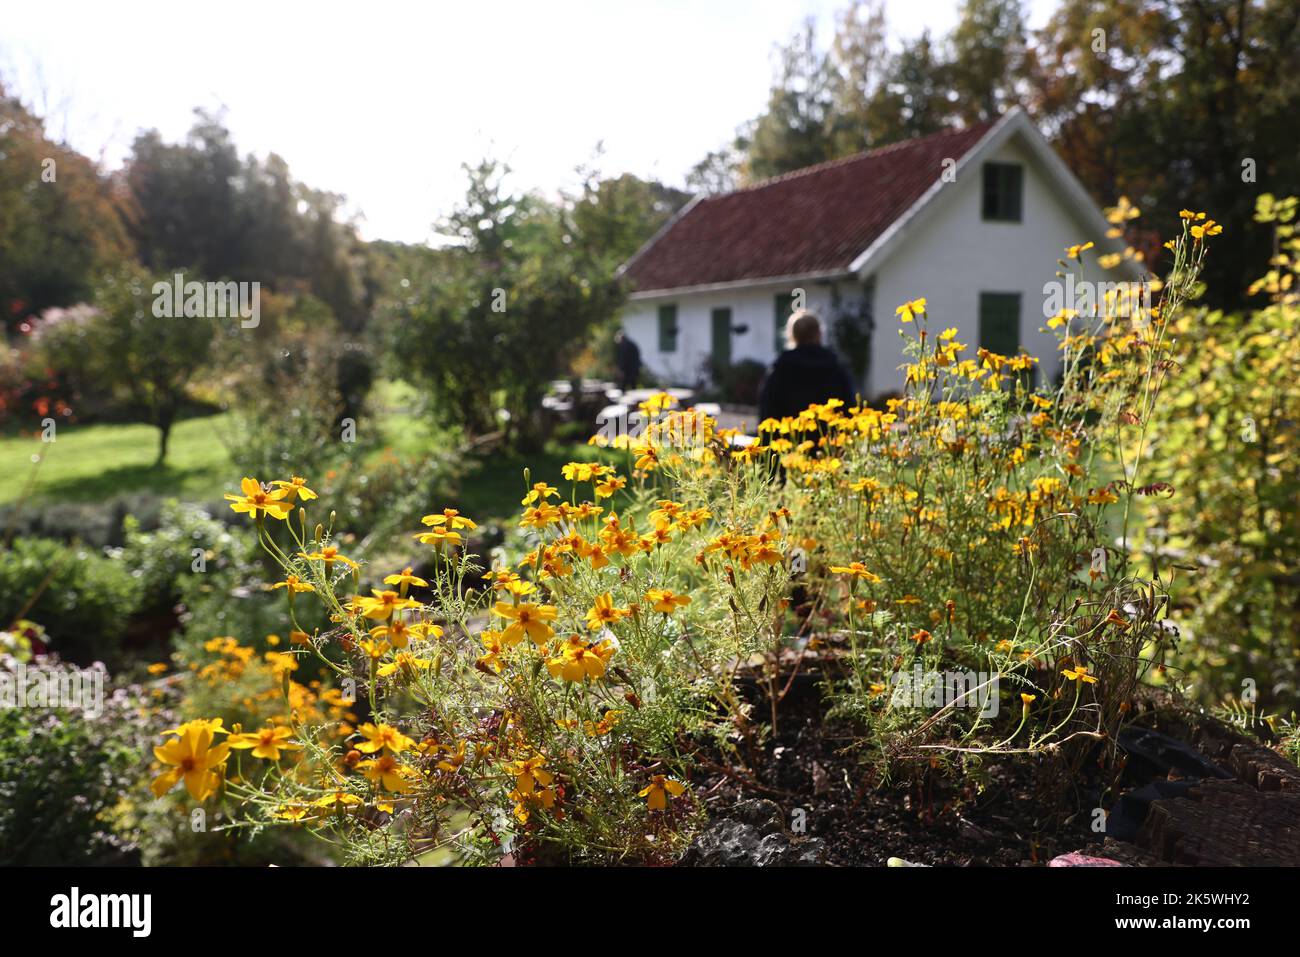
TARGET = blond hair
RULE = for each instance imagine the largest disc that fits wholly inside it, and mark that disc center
(803, 328)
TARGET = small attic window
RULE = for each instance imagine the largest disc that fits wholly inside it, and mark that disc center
(1003, 186)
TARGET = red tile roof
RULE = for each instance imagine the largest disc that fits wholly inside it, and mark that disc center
(811, 221)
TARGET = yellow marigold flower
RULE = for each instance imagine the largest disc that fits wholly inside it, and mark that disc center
(387, 773)
(1115, 618)
(328, 555)
(158, 668)
(1208, 228)
(193, 758)
(375, 650)
(910, 310)
(855, 570)
(454, 760)
(491, 661)
(1079, 673)
(1028, 699)
(540, 492)
(292, 812)
(405, 663)
(258, 503)
(603, 613)
(526, 619)
(381, 736)
(449, 518)
(338, 800)
(529, 773)
(399, 633)
(296, 486)
(293, 583)
(1076, 252)
(1102, 496)
(921, 636)
(578, 661)
(381, 604)
(404, 577)
(607, 486)
(583, 471)
(657, 791)
(438, 536)
(266, 743)
(665, 601)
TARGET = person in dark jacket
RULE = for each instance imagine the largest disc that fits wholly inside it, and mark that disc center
(805, 374)
(627, 360)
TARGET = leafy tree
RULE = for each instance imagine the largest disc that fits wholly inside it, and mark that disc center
(59, 222)
(144, 362)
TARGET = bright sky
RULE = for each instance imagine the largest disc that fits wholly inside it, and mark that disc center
(383, 100)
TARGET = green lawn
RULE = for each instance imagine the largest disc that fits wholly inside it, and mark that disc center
(94, 463)
(90, 463)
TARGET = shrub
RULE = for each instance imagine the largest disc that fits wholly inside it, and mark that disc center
(83, 597)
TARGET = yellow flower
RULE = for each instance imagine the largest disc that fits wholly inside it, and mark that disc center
(662, 600)
(404, 577)
(529, 773)
(193, 758)
(910, 310)
(526, 619)
(540, 492)
(604, 614)
(337, 800)
(657, 791)
(1027, 699)
(380, 736)
(384, 603)
(296, 486)
(406, 663)
(328, 555)
(387, 773)
(1079, 673)
(259, 503)
(449, 518)
(606, 487)
(1076, 252)
(579, 661)
(294, 584)
(266, 743)
(399, 633)
(855, 570)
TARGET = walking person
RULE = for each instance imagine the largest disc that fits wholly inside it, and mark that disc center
(807, 373)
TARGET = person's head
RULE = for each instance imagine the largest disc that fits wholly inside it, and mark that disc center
(620, 336)
(803, 328)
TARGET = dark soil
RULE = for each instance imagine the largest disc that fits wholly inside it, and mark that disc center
(810, 765)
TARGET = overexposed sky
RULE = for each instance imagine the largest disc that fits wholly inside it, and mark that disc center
(383, 100)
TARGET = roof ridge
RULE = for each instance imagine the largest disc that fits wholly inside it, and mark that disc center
(851, 158)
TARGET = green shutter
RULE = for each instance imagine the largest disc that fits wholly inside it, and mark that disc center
(721, 338)
(784, 306)
(1000, 322)
(668, 328)
(1003, 190)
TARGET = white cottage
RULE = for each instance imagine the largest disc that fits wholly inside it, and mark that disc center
(973, 220)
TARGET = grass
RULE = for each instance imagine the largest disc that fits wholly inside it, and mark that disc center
(96, 463)
(92, 463)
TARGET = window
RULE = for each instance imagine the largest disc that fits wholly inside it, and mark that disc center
(668, 328)
(1000, 322)
(721, 338)
(1003, 185)
(784, 307)
(1000, 327)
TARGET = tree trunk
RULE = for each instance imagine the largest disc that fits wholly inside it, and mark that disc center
(164, 433)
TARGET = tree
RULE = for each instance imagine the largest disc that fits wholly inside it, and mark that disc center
(496, 317)
(59, 221)
(143, 361)
(988, 54)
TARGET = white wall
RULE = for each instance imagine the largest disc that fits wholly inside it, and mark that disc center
(949, 257)
(754, 307)
(954, 255)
